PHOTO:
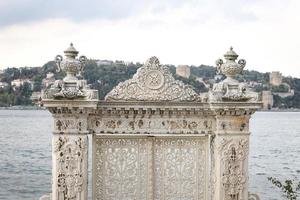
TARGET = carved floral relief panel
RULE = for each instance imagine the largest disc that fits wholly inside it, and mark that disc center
(122, 169)
(160, 168)
(180, 168)
(233, 152)
(70, 153)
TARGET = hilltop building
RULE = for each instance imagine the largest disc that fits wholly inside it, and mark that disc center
(275, 78)
(48, 80)
(183, 70)
(3, 85)
(201, 80)
(104, 62)
(19, 82)
(288, 93)
(267, 99)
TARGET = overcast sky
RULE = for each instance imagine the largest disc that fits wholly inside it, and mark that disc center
(264, 32)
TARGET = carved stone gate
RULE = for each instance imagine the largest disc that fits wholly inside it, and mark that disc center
(153, 136)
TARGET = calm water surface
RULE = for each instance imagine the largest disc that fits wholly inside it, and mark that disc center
(25, 152)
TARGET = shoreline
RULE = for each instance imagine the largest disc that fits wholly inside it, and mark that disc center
(23, 108)
(43, 108)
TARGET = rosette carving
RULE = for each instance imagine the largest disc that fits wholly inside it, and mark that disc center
(152, 82)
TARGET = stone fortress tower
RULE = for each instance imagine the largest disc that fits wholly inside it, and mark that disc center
(183, 70)
(267, 99)
(275, 78)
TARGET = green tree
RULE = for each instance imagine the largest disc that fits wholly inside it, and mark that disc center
(289, 188)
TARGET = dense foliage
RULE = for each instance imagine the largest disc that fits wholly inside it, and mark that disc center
(105, 77)
(289, 188)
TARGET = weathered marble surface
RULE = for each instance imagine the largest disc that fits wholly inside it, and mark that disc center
(153, 136)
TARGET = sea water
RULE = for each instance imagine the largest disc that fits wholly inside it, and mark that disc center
(25, 153)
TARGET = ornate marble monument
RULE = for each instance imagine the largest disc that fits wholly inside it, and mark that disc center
(153, 137)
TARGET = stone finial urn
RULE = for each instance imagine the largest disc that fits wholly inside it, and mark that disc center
(70, 87)
(231, 89)
(70, 64)
(230, 68)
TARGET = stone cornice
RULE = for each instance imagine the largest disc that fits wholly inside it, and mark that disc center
(52, 103)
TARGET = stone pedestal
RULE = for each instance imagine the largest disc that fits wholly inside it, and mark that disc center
(70, 101)
(233, 104)
(230, 149)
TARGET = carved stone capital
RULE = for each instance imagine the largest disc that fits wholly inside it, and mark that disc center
(70, 124)
(61, 90)
(226, 124)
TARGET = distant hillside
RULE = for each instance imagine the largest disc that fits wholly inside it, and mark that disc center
(105, 76)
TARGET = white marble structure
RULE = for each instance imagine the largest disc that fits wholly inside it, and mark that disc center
(154, 138)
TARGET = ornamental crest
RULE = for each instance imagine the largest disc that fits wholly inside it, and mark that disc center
(152, 82)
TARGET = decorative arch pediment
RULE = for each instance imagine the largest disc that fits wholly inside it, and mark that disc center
(152, 82)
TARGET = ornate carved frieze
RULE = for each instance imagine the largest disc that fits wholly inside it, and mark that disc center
(157, 125)
(152, 82)
(70, 154)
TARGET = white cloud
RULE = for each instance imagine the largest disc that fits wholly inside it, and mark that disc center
(265, 33)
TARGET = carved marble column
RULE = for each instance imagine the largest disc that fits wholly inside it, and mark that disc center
(230, 155)
(70, 101)
(233, 104)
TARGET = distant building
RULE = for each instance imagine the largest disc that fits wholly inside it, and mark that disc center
(285, 94)
(183, 70)
(36, 97)
(104, 62)
(275, 78)
(267, 99)
(218, 78)
(119, 62)
(200, 80)
(48, 80)
(19, 82)
(3, 85)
